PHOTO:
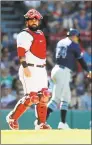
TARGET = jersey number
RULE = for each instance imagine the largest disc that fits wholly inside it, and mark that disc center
(62, 52)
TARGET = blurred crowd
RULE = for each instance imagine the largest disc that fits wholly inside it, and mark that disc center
(59, 16)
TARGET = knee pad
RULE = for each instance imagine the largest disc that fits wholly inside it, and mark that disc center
(34, 97)
(46, 92)
(25, 100)
(44, 95)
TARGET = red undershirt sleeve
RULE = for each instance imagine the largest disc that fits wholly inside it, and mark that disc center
(21, 51)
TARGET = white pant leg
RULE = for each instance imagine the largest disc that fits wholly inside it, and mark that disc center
(61, 89)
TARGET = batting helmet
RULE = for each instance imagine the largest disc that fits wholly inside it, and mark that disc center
(32, 13)
(73, 32)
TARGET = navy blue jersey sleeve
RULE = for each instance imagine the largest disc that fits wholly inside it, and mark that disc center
(77, 51)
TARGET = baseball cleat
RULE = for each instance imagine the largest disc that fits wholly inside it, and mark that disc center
(62, 125)
(13, 124)
(41, 126)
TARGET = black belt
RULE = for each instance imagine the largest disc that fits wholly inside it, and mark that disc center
(29, 64)
(62, 66)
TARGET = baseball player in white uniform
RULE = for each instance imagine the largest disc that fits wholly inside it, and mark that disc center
(31, 48)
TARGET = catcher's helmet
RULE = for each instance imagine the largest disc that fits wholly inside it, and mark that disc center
(73, 32)
(32, 13)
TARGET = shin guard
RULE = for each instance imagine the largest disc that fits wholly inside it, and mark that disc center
(41, 113)
(21, 107)
(41, 109)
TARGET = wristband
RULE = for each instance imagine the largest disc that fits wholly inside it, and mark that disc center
(24, 64)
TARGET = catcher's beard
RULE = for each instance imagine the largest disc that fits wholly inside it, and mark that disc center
(33, 28)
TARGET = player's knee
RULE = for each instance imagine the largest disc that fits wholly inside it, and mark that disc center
(34, 97)
(46, 92)
(44, 95)
(25, 100)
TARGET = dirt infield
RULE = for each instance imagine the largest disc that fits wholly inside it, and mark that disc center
(73, 136)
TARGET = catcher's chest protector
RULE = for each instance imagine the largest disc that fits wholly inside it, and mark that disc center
(38, 47)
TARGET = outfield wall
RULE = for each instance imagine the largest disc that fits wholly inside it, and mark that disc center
(75, 118)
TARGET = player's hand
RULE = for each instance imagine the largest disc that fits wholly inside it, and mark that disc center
(27, 72)
(89, 75)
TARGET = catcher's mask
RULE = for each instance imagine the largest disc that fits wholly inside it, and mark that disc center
(32, 13)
